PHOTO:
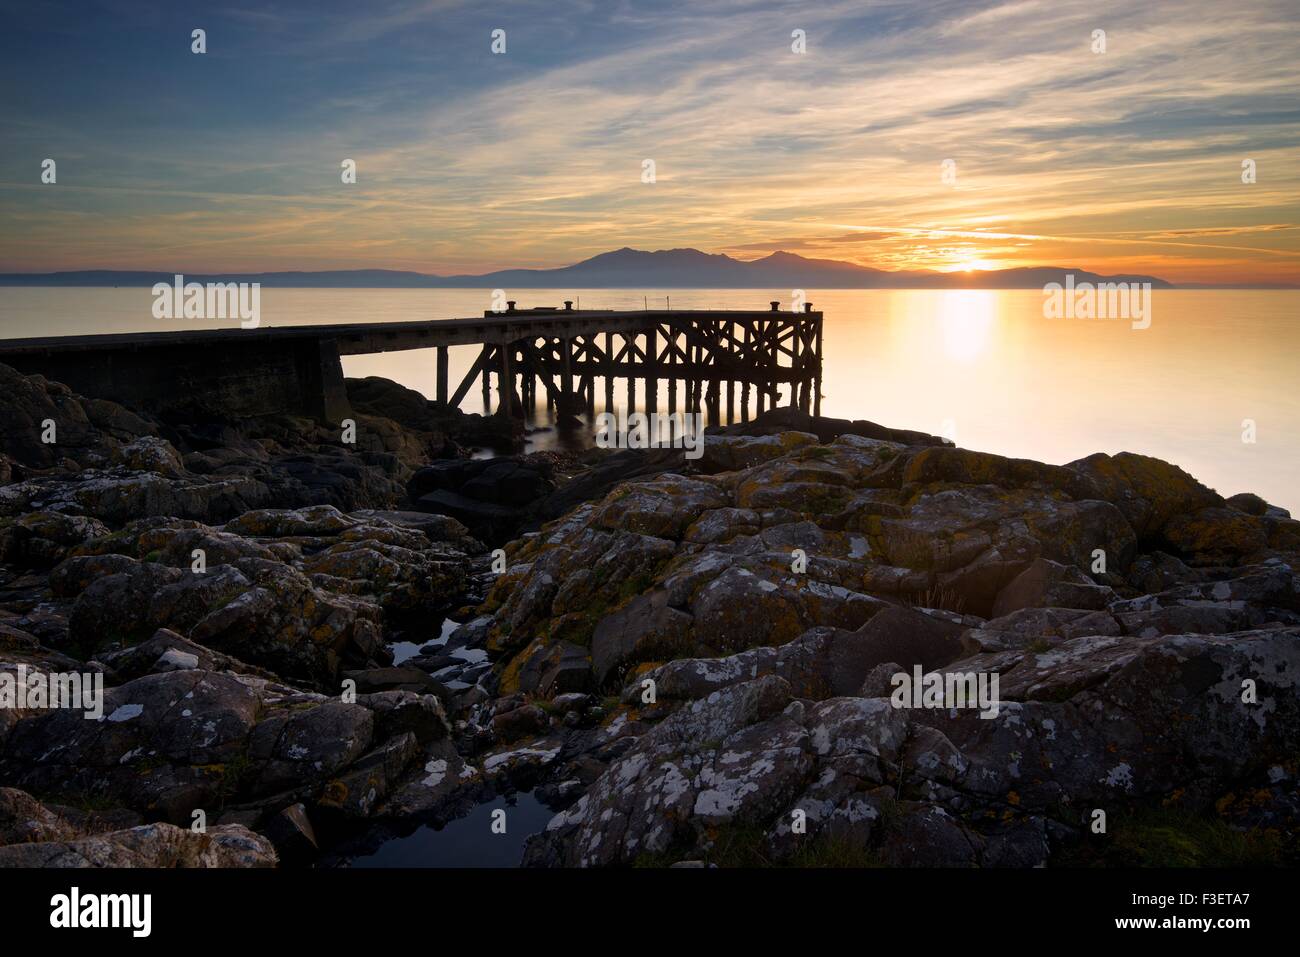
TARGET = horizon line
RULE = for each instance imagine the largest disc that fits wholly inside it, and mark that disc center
(970, 274)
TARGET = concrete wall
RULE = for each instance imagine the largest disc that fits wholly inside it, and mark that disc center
(229, 379)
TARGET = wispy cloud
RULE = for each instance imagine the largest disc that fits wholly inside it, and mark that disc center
(1111, 161)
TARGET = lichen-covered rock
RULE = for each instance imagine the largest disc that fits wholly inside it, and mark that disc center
(730, 453)
(823, 662)
(283, 622)
(117, 496)
(682, 776)
(29, 405)
(1261, 594)
(237, 584)
(149, 453)
(660, 508)
(1049, 584)
(150, 845)
(697, 572)
(25, 820)
(646, 629)
(1225, 536)
(175, 741)
(43, 539)
(168, 651)
(314, 520)
(303, 592)
(1095, 722)
(863, 524)
(405, 580)
(1042, 627)
(953, 466)
(113, 610)
(1148, 491)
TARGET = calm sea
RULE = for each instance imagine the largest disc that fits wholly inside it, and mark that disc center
(983, 367)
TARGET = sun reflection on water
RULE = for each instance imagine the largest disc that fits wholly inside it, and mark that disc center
(966, 321)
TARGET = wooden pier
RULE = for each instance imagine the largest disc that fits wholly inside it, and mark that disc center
(704, 360)
(708, 361)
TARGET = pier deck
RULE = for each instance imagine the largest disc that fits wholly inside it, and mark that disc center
(297, 369)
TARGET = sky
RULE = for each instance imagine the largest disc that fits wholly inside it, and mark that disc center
(938, 135)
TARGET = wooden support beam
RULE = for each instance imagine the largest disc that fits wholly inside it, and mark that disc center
(609, 372)
(567, 404)
(796, 401)
(442, 374)
(528, 377)
(588, 379)
(652, 371)
(744, 387)
(505, 383)
(463, 389)
(817, 380)
(692, 381)
(544, 376)
(671, 351)
(805, 372)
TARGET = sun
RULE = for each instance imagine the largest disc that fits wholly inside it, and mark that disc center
(967, 263)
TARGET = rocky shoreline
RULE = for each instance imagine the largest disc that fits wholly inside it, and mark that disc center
(689, 662)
